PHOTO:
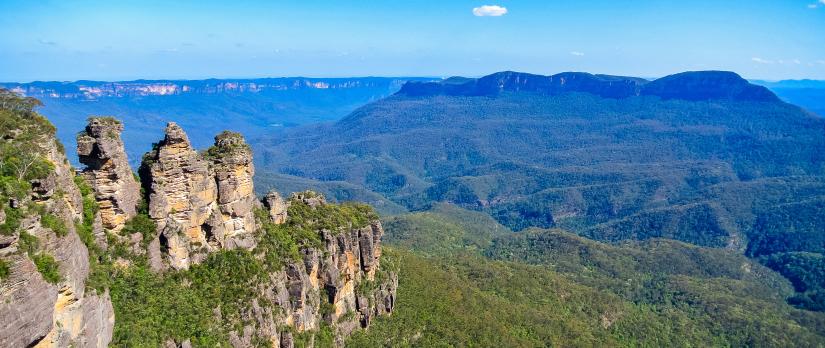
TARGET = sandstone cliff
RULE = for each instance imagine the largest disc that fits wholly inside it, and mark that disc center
(108, 172)
(336, 282)
(313, 269)
(44, 301)
(200, 203)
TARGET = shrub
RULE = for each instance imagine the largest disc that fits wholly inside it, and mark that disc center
(47, 266)
(4, 269)
(54, 223)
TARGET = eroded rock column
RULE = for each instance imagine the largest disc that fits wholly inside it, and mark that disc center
(108, 172)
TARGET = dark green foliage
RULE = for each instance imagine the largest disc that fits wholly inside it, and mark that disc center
(553, 288)
(789, 227)
(471, 301)
(442, 230)
(12, 222)
(332, 217)
(142, 224)
(532, 160)
(741, 173)
(806, 271)
(28, 243)
(47, 266)
(634, 270)
(5, 271)
(54, 223)
(227, 143)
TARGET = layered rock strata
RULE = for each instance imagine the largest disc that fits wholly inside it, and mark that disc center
(338, 283)
(59, 311)
(200, 203)
(107, 170)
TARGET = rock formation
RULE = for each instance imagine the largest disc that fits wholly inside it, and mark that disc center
(231, 158)
(108, 172)
(58, 310)
(338, 282)
(200, 203)
(276, 207)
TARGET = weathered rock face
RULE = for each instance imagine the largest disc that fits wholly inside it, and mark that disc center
(40, 312)
(108, 172)
(200, 203)
(232, 160)
(276, 206)
(337, 283)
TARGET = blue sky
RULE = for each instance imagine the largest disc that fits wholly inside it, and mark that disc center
(115, 40)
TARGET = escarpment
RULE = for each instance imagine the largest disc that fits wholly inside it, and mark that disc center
(44, 264)
(303, 271)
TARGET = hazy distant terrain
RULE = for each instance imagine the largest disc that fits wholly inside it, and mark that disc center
(809, 94)
(202, 107)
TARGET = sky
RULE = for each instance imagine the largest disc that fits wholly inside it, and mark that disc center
(124, 40)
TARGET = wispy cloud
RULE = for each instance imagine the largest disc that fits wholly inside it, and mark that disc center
(816, 4)
(761, 61)
(47, 42)
(577, 53)
(489, 11)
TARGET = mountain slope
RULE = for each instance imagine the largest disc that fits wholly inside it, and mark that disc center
(550, 287)
(530, 158)
(701, 157)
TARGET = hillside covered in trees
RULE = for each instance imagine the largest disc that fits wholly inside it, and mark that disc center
(704, 158)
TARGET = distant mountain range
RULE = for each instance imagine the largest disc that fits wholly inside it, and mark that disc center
(203, 107)
(259, 106)
(701, 157)
(687, 86)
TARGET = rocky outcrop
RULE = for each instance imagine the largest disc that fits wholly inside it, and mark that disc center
(27, 307)
(276, 207)
(231, 158)
(337, 282)
(43, 300)
(199, 203)
(329, 277)
(108, 172)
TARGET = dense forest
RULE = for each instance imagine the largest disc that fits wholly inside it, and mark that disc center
(466, 281)
(703, 158)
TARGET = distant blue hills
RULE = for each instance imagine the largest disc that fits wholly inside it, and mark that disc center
(266, 106)
(699, 85)
(203, 108)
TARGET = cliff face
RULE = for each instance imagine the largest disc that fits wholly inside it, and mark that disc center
(338, 282)
(44, 301)
(326, 276)
(100, 89)
(108, 172)
(199, 203)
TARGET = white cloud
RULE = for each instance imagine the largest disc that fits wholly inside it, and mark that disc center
(821, 62)
(761, 61)
(817, 4)
(813, 5)
(577, 53)
(489, 11)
